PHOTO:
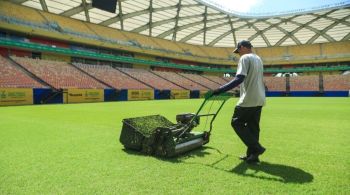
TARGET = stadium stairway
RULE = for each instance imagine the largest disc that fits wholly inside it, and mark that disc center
(32, 75)
(13, 76)
(202, 80)
(92, 76)
(216, 80)
(186, 88)
(167, 80)
(129, 75)
(193, 81)
(51, 95)
(180, 80)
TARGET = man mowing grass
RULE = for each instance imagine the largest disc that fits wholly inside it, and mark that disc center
(246, 117)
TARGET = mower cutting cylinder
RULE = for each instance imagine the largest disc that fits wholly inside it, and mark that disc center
(195, 142)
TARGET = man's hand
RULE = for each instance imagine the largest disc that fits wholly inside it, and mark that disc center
(216, 92)
(212, 93)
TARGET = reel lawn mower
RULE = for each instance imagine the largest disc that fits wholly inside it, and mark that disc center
(156, 135)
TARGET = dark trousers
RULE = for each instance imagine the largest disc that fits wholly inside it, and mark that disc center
(245, 121)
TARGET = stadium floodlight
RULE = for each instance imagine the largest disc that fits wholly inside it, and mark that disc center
(106, 5)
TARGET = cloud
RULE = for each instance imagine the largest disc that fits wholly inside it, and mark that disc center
(240, 5)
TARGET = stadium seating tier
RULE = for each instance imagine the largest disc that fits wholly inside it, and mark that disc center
(14, 77)
(58, 74)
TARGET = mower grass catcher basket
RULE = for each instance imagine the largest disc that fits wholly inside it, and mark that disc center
(156, 135)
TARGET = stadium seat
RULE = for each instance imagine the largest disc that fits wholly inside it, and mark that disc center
(304, 83)
(336, 82)
(275, 83)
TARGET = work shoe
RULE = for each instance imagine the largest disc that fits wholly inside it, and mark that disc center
(261, 151)
(254, 158)
(243, 158)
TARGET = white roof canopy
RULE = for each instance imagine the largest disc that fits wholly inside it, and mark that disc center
(199, 23)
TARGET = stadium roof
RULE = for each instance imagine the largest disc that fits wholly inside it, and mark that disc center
(204, 23)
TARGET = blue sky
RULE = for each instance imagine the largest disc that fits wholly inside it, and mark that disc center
(264, 6)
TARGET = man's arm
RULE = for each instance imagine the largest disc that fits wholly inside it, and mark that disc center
(230, 85)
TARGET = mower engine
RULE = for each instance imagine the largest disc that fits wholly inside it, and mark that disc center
(190, 119)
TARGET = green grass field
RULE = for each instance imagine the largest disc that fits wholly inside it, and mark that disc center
(75, 149)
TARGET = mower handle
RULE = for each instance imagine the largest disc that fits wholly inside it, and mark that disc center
(221, 97)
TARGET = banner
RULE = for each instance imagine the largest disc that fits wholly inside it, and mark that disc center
(180, 94)
(16, 96)
(83, 95)
(146, 94)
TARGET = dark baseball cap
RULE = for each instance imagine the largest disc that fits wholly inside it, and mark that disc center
(243, 43)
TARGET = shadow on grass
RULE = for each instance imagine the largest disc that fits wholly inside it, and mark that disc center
(273, 172)
(138, 153)
(198, 152)
(281, 173)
